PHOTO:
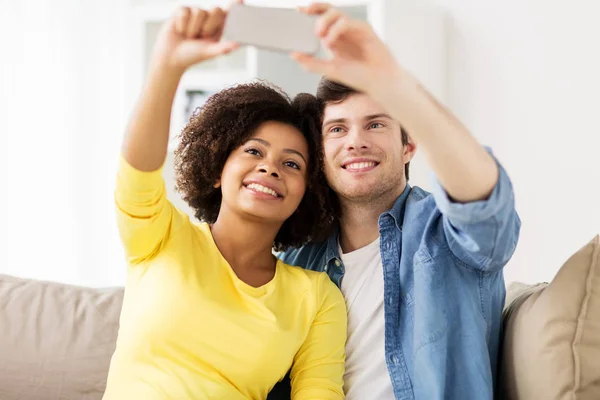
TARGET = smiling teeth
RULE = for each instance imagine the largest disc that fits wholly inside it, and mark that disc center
(261, 188)
(360, 165)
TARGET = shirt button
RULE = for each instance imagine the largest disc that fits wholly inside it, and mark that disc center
(337, 263)
(395, 360)
(325, 268)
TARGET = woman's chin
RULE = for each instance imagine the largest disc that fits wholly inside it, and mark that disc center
(263, 214)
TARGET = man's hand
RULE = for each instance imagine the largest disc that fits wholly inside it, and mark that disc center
(359, 58)
(192, 35)
(362, 61)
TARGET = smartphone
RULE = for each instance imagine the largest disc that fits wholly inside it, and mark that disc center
(281, 29)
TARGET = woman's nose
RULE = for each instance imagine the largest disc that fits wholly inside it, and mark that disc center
(269, 170)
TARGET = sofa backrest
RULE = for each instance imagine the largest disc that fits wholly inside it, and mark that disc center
(551, 343)
(56, 340)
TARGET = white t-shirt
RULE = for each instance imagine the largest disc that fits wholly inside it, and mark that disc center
(366, 376)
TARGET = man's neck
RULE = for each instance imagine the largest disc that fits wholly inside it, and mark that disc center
(359, 223)
(358, 226)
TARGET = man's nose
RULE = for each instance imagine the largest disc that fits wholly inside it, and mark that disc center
(356, 140)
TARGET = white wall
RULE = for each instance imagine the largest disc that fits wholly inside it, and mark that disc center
(61, 99)
(64, 100)
(524, 76)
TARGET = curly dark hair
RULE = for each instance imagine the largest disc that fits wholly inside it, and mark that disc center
(225, 122)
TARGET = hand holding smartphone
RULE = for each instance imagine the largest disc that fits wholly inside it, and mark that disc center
(280, 29)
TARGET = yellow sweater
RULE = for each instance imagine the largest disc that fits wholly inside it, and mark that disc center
(191, 329)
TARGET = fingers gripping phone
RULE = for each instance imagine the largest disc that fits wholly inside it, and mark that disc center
(279, 29)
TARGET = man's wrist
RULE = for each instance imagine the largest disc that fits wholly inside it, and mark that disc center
(394, 89)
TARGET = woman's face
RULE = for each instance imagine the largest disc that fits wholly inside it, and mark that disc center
(265, 178)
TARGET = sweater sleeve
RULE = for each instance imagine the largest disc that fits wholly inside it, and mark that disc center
(318, 368)
(144, 214)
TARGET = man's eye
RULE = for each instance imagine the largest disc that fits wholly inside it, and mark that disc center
(376, 125)
(292, 164)
(336, 129)
(254, 152)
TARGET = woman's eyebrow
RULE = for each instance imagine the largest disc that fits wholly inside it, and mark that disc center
(292, 151)
(261, 141)
(289, 151)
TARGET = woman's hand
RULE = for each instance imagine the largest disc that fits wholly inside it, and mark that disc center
(191, 36)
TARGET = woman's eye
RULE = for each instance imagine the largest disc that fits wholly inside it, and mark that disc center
(336, 129)
(292, 164)
(254, 152)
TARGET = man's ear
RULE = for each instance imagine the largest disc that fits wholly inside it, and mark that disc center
(409, 149)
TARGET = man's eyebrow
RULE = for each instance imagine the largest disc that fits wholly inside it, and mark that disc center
(375, 116)
(366, 118)
(289, 151)
(335, 121)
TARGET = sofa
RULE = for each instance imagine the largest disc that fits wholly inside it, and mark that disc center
(56, 340)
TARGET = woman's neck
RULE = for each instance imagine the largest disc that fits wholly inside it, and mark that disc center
(246, 245)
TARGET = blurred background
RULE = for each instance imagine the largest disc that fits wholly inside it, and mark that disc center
(522, 75)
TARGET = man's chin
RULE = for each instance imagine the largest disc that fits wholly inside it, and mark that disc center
(366, 191)
(356, 193)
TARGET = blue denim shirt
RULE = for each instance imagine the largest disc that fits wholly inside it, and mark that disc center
(443, 288)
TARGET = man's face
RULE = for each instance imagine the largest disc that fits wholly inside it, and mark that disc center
(364, 155)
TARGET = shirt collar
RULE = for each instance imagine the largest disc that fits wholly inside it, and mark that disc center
(397, 210)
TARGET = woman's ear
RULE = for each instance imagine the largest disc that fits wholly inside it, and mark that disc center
(217, 184)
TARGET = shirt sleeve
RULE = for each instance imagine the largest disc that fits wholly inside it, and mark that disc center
(482, 234)
(144, 215)
(318, 368)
